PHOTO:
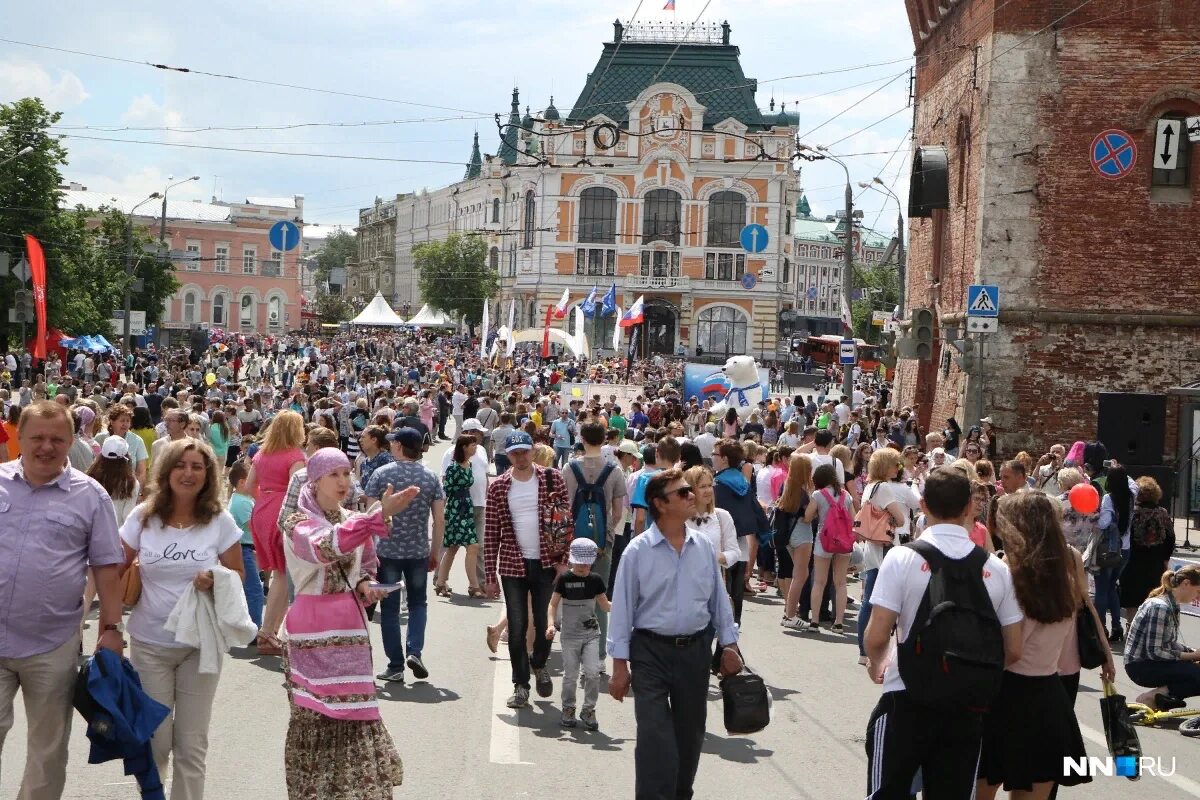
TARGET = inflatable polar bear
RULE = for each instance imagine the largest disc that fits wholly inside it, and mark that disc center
(745, 390)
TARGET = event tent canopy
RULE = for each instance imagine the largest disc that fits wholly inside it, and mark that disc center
(428, 318)
(378, 312)
(90, 344)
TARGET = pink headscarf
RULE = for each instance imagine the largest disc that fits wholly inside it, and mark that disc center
(322, 462)
(1075, 456)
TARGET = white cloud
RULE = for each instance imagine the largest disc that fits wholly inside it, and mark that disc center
(20, 78)
(145, 112)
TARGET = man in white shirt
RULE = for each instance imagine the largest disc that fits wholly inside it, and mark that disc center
(822, 443)
(903, 736)
(456, 407)
(706, 441)
(842, 411)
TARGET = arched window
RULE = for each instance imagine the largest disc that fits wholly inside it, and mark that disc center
(726, 218)
(530, 213)
(218, 310)
(189, 307)
(275, 311)
(494, 259)
(247, 304)
(660, 216)
(721, 331)
(598, 215)
(496, 210)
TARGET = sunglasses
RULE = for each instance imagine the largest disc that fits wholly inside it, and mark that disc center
(683, 492)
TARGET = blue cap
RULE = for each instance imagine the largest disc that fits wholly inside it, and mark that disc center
(408, 437)
(518, 440)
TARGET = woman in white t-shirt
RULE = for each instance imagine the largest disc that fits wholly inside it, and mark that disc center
(881, 492)
(715, 523)
(178, 535)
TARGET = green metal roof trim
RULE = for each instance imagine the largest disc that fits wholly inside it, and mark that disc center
(818, 230)
(711, 72)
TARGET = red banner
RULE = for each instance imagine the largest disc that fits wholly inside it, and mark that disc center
(546, 332)
(37, 266)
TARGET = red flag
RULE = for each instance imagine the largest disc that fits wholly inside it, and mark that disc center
(546, 333)
(37, 266)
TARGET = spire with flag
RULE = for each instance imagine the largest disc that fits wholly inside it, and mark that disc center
(636, 313)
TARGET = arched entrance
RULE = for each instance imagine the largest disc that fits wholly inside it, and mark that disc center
(658, 334)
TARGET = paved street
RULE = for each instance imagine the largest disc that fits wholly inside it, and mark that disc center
(459, 741)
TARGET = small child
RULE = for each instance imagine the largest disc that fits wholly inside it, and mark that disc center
(241, 507)
(579, 591)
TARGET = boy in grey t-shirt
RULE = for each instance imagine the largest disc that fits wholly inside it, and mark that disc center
(579, 591)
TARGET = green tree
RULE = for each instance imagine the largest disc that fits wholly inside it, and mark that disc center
(880, 287)
(338, 247)
(332, 308)
(455, 277)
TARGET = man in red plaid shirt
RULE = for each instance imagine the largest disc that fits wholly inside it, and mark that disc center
(524, 543)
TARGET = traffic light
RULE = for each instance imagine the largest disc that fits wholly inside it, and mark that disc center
(967, 361)
(922, 332)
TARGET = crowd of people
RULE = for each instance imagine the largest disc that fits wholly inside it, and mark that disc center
(628, 529)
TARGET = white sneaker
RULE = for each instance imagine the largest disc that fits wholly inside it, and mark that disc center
(792, 623)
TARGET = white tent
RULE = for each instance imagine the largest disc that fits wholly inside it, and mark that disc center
(378, 312)
(428, 318)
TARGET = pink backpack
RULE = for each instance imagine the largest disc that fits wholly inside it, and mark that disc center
(837, 531)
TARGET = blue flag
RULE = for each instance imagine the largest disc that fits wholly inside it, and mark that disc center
(609, 304)
(589, 304)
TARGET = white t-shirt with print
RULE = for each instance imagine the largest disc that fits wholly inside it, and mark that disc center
(170, 559)
(523, 504)
(904, 575)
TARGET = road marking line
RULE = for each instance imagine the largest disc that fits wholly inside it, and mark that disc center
(1183, 784)
(505, 745)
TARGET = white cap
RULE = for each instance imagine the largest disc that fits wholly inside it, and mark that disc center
(115, 447)
(473, 425)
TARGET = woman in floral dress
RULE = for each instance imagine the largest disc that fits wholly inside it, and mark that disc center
(337, 747)
(460, 518)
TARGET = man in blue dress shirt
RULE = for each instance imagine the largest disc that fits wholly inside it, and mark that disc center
(668, 603)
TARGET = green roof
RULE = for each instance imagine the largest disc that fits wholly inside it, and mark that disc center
(712, 72)
(818, 230)
(475, 165)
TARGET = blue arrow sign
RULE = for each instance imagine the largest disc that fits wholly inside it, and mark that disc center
(983, 300)
(749, 281)
(284, 235)
(754, 238)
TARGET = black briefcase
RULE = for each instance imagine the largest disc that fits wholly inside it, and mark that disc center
(747, 703)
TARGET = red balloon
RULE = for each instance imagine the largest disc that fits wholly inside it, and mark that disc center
(1084, 498)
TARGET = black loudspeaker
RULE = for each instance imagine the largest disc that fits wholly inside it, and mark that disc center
(929, 183)
(1133, 426)
(1166, 477)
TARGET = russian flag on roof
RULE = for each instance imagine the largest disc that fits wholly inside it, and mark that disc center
(635, 315)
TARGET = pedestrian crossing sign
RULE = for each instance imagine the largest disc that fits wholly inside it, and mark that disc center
(983, 300)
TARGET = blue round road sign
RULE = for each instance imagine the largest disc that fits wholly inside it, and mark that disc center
(812, 293)
(284, 235)
(1114, 154)
(749, 281)
(754, 238)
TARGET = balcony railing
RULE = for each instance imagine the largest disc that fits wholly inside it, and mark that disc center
(657, 282)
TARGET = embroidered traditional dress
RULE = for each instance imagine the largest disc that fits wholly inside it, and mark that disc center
(337, 747)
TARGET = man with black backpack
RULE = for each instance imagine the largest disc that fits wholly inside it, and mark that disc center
(958, 626)
(597, 490)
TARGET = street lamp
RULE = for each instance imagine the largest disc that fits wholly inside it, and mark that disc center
(819, 153)
(129, 267)
(901, 259)
(26, 150)
(162, 229)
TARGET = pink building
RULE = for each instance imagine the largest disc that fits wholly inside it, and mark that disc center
(229, 274)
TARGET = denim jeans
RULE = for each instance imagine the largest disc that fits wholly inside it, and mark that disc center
(414, 572)
(538, 586)
(864, 614)
(1108, 598)
(1182, 678)
(602, 566)
(252, 585)
(561, 456)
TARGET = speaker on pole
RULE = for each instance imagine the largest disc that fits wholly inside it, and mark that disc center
(1133, 426)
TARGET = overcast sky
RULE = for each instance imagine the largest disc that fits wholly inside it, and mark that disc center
(454, 62)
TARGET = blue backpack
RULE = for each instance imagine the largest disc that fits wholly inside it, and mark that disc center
(588, 506)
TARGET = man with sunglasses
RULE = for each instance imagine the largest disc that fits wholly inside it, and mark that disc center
(668, 603)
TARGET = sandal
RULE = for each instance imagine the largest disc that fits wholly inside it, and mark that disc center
(476, 592)
(441, 589)
(268, 645)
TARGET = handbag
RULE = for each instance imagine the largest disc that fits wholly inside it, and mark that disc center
(747, 703)
(131, 584)
(1118, 727)
(1091, 651)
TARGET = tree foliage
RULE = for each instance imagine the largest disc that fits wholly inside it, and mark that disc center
(85, 250)
(332, 308)
(880, 286)
(338, 247)
(455, 277)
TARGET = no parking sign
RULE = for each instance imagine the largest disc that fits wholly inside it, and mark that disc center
(1113, 154)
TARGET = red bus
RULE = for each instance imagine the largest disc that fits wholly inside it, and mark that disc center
(825, 349)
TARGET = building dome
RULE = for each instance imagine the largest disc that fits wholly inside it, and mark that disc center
(527, 120)
(551, 113)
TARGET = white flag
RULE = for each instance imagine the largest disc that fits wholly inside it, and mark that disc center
(512, 330)
(617, 331)
(579, 333)
(483, 336)
(847, 319)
